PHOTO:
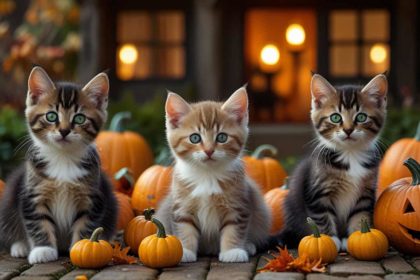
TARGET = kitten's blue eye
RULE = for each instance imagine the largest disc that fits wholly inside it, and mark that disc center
(361, 117)
(335, 118)
(195, 138)
(79, 119)
(51, 117)
(221, 137)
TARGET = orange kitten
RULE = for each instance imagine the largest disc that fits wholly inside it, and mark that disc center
(213, 207)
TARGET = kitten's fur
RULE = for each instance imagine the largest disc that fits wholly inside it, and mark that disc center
(335, 185)
(59, 195)
(213, 207)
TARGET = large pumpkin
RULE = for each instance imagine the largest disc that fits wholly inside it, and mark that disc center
(151, 187)
(125, 212)
(391, 167)
(1, 188)
(118, 149)
(397, 211)
(274, 200)
(267, 172)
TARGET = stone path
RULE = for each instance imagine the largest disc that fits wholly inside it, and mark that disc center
(393, 267)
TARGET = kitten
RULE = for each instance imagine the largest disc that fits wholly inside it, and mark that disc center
(59, 195)
(213, 207)
(335, 185)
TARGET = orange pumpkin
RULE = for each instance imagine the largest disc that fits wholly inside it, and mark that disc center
(118, 149)
(1, 187)
(139, 228)
(391, 167)
(274, 200)
(151, 187)
(397, 211)
(125, 212)
(267, 172)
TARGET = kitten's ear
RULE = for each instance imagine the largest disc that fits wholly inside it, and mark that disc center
(97, 90)
(376, 90)
(39, 84)
(176, 108)
(237, 105)
(321, 90)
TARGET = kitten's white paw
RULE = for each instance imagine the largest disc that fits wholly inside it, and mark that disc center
(42, 254)
(188, 256)
(234, 255)
(250, 248)
(19, 249)
(337, 242)
(344, 244)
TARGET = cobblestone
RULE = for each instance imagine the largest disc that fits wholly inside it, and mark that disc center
(60, 266)
(402, 277)
(397, 264)
(279, 276)
(356, 267)
(126, 272)
(231, 271)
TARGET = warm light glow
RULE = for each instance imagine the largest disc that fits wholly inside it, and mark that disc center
(378, 53)
(295, 34)
(128, 54)
(270, 54)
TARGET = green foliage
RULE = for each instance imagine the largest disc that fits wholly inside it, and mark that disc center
(400, 123)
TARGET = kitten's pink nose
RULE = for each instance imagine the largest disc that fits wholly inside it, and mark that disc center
(348, 131)
(209, 152)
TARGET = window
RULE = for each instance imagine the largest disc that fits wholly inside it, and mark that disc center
(151, 45)
(359, 43)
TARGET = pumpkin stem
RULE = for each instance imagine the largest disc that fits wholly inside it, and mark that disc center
(417, 137)
(116, 122)
(414, 168)
(314, 227)
(127, 174)
(265, 150)
(148, 213)
(95, 235)
(161, 229)
(365, 226)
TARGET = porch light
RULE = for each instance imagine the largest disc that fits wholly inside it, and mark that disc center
(378, 53)
(295, 34)
(128, 54)
(270, 54)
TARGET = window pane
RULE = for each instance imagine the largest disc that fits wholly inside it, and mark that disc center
(170, 27)
(140, 68)
(171, 62)
(375, 59)
(375, 25)
(343, 25)
(343, 60)
(141, 22)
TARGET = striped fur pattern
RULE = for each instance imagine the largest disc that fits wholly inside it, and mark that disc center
(59, 195)
(335, 185)
(213, 207)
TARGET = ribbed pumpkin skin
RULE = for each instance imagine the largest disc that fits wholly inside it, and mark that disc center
(151, 187)
(274, 200)
(125, 212)
(369, 246)
(136, 230)
(1, 188)
(318, 247)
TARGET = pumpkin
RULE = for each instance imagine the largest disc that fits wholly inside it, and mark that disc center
(367, 244)
(1, 188)
(397, 211)
(160, 250)
(125, 212)
(274, 200)
(118, 149)
(91, 253)
(139, 228)
(317, 246)
(151, 187)
(267, 172)
(391, 167)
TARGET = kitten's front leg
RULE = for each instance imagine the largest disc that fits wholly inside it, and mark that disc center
(78, 228)
(232, 242)
(187, 232)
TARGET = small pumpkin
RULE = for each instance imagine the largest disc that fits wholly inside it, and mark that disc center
(267, 172)
(139, 228)
(118, 149)
(151, 187)
(367, 244)
(397, 211)
(274, 200)
(125, 212)
(1, 188)
(160, 250)
(391, 167)
(318, 246)
(91, 253)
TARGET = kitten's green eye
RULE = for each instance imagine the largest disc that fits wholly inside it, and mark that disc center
(361, 117)
(195, 138)
(221, 137)
(79, 119)
(335, 118)
(51, 117)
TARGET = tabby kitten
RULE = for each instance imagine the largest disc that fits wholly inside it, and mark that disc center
(335, 185)
(213, 207)
(59, 194)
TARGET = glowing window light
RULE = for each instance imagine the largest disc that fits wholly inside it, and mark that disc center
(128, 54)
(295, 34)
(270, 54)
(378, 53)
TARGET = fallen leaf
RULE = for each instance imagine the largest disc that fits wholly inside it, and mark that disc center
(279, 262)
(120, 256)
(305, 265)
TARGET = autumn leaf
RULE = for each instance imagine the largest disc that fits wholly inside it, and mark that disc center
(305, 265)
(279, 262)
(120, 256)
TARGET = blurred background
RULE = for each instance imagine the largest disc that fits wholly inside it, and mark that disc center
(205, 49)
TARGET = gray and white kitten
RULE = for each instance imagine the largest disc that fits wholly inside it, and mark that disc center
(59, 195)
(336, 184)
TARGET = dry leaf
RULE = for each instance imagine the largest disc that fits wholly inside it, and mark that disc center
(305, 265)
(279, 262)
(120, 256)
